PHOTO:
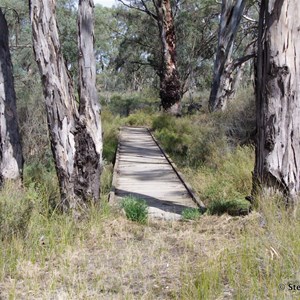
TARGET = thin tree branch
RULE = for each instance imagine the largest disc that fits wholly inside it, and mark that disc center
(146, 10)
(239, 61)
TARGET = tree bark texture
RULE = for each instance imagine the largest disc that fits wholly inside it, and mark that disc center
(223, 77)
(277, 162)
(170, 87)
(72, 132)
(88, 138)
(11, 159)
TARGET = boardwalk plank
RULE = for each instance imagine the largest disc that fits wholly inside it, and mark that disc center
(143, 171)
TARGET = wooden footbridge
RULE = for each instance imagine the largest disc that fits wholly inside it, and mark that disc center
(143, 170)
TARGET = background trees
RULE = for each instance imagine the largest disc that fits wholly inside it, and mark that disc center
(161, 13)
(231, 15)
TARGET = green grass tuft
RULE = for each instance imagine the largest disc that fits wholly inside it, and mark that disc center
(234, 207)
(135, 209)
(191, 214)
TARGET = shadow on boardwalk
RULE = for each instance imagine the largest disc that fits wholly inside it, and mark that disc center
(166, 206)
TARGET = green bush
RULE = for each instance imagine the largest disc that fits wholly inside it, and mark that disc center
(135, 209)
(164, 121)
(139, 118)
(191, 214)
(191, 141)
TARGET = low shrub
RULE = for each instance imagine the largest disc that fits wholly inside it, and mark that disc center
(164, 121)
(191, 141)
(135, 209)
(139, 118)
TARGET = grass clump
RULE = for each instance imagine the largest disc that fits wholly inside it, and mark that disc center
(191, 214)
(233, 207)
(135, 209)
(111, 126)
(15, 211)
(266, 256)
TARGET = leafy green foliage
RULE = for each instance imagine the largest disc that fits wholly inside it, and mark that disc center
(67, 27)
(135, 209)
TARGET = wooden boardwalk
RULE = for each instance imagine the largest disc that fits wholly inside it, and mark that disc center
(142, 170)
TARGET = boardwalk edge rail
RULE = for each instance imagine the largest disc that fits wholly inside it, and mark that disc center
(189, 188)
(112, 193)
(192, 193)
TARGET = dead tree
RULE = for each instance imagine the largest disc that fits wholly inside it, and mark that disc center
(75, 133)
(11, 159)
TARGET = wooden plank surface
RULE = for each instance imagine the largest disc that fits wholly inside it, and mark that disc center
(143, 171)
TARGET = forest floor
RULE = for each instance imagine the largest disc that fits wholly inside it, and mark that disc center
(47, 255)
(120, 259)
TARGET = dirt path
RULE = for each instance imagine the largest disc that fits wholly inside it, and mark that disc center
(143, 171)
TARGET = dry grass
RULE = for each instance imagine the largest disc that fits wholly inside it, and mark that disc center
(119, 259)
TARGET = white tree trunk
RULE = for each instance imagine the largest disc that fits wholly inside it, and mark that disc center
(76, 139)
(11, 159)
(277, 163)
(221, 89)
(89, 139)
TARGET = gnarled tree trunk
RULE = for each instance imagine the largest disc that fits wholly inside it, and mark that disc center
(75, 139)
(11, 159)
(277, 163)
(222, 84)
(170, 87)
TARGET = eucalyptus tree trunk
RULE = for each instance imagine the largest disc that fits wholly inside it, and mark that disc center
(74, 134)
(222, 84)
(11, 159)
(277, 161)
(88, 137)
(170, 87)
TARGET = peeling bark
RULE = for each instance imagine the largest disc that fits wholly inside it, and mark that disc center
(75, 139)
(170, 87)
(88, 138)
(277, 159)
(222, 84)
(11, 159)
